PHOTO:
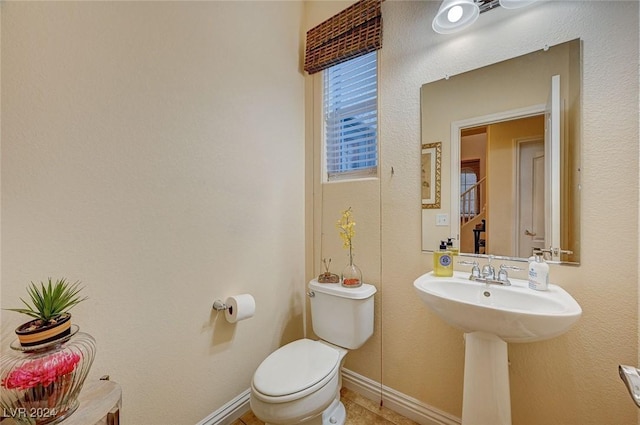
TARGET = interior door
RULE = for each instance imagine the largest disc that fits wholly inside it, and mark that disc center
(531, 190)
(552, 168)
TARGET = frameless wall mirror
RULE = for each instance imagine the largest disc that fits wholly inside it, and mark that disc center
(501, 150)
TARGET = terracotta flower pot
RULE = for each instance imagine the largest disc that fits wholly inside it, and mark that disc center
(36, 332)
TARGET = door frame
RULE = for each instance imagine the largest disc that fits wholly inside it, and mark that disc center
(456, 128)
(518, 145)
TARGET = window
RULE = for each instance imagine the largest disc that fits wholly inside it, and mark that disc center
(351, 118)
(344, 47)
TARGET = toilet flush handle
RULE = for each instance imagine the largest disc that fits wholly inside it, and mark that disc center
(311, 294)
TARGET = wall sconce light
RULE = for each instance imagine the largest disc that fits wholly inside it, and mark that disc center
(455, 15)
(515, 4)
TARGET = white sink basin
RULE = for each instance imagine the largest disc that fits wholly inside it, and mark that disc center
(514, 313)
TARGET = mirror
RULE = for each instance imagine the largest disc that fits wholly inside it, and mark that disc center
(508, 138)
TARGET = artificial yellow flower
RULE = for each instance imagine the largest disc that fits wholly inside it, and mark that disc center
(346, 227)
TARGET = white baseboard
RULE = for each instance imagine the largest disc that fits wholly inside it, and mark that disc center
(403, 404)
(408, 407)
(230, 411)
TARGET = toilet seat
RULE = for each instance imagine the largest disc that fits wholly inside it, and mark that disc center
(295, 371)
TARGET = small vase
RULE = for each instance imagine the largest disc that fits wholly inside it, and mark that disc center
(351, 275)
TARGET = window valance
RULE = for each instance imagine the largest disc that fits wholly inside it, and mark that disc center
(355, 31)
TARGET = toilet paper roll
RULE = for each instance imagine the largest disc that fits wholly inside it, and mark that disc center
(240, 307)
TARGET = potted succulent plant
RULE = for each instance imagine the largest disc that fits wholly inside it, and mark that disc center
(41, 378)
(49, 308)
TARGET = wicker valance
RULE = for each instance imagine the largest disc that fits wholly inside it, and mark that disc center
(355, 31)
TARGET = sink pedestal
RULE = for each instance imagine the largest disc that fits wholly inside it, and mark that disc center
(486, 398)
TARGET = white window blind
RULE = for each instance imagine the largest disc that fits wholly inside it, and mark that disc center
(351, 118)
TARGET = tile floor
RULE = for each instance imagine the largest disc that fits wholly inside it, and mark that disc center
(360, 411)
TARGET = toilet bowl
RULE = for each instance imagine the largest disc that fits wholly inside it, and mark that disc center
(297, 383)
(300, 382)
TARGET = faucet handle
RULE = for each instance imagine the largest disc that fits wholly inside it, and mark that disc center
(503, 276)
(475, 268)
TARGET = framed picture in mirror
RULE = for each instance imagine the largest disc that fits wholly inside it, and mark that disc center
(431, 173)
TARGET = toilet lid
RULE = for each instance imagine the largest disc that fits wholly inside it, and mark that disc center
(295, 367)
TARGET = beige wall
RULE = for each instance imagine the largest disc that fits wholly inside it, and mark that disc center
(571, 379)
(155, 151)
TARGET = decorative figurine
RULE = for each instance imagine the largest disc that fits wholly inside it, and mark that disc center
(327, 276)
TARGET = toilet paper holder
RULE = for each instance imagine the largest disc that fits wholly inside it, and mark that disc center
(218, 305)
(237, 307)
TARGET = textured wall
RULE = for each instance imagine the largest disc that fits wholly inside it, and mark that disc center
(154, 151)
(568, 380)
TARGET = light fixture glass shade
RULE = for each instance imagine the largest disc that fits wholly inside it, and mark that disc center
(448, 18)
(515, 4)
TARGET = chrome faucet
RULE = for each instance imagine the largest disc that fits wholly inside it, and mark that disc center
(488, 273)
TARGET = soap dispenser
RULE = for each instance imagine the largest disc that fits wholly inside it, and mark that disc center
(443, 261)
(538, 272)
(450, 247)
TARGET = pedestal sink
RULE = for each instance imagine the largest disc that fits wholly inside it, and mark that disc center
(491, 315)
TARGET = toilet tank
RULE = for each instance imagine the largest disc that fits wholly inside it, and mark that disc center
(342, 316)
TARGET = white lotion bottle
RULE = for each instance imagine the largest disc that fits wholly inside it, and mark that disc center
(539, 273)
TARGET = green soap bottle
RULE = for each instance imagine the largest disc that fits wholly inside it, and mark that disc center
(443, 261)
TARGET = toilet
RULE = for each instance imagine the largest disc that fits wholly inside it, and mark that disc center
(300, 382)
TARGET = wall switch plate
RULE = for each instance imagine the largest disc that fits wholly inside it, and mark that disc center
(442, 219)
